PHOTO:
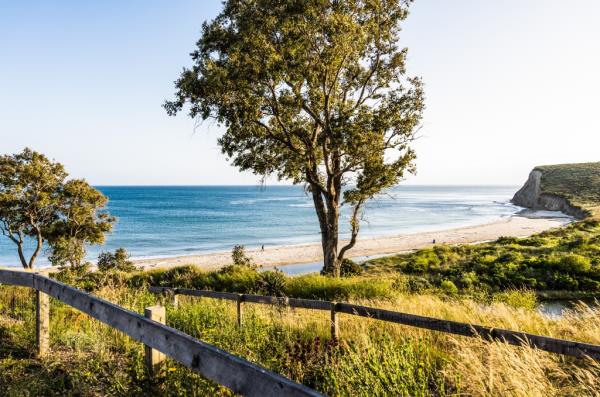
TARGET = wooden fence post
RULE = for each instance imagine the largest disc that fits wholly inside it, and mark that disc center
(42, 323)
(240, 299)
(153, 358)
(334, 322)
(174, 300)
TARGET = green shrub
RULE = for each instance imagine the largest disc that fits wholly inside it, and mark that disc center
(573, 263)
(587, 284)
(400, 283)
(422, 261)
(242, 279)
(350, 268)
(562, 281)
(418, 284)
(314, 286)
(92, 281)
(70, 274)
(117, 261)
(505, 240)
(468, 280)
(449, 287)
(272, 282)
(517, 298)
(533, 241)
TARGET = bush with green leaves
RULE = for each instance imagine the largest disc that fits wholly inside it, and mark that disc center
(526, 299)
(119, 260)
(449, 287)
(272, 282)
(350, 268)
(240, 258)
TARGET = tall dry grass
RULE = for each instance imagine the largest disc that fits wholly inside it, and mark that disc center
(373, 358)
(396, 359)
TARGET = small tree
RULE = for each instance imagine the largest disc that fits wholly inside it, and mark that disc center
(239, 256)
(80, 223)
(315, 92)
(37, 203)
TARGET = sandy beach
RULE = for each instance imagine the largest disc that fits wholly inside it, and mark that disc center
(517, 226)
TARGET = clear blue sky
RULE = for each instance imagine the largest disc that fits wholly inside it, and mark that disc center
(510, 84)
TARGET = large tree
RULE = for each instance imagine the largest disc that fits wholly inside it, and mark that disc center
(313, 91)
(38, 203)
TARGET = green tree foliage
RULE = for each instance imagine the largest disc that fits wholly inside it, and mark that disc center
(315, 92)
(37, 202)
(29, 190)
(240, 258)
(81, 223)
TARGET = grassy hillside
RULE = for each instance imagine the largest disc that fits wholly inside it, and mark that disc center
(579, 183)
(565, 260)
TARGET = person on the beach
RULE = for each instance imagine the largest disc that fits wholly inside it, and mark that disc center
(262, 248)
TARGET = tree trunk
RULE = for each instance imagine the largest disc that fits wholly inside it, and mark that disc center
(331, 261)
(38, 248)
(22, 255)
(328, 214)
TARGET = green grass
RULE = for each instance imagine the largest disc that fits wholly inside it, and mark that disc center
(579, 183)
(566, 259)
(90, 358)
(244, 279)
(373, 358)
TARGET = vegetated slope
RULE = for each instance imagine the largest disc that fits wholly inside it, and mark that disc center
(571, 188)
(565, 259)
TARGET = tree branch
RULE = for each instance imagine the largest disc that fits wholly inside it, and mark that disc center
(355, 224)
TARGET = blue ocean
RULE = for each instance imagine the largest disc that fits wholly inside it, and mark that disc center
(162, 221)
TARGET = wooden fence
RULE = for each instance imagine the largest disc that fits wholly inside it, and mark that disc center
(553, 345)
(234, 372)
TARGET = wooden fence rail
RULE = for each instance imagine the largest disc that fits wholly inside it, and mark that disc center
(553, 345)
(234, 372)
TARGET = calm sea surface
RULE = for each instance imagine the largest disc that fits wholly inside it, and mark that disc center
(156, 221)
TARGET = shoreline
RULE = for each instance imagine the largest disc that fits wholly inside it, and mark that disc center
(514, 226)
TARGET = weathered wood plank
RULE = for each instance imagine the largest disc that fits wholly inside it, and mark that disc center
(42, 323)
(16, 277)
(309, 304)
(240, 310)
(335, 328)
(269, 300)
(161, 290)
(234, 372)
(152, 357)
(553, 345)
(208, 294)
